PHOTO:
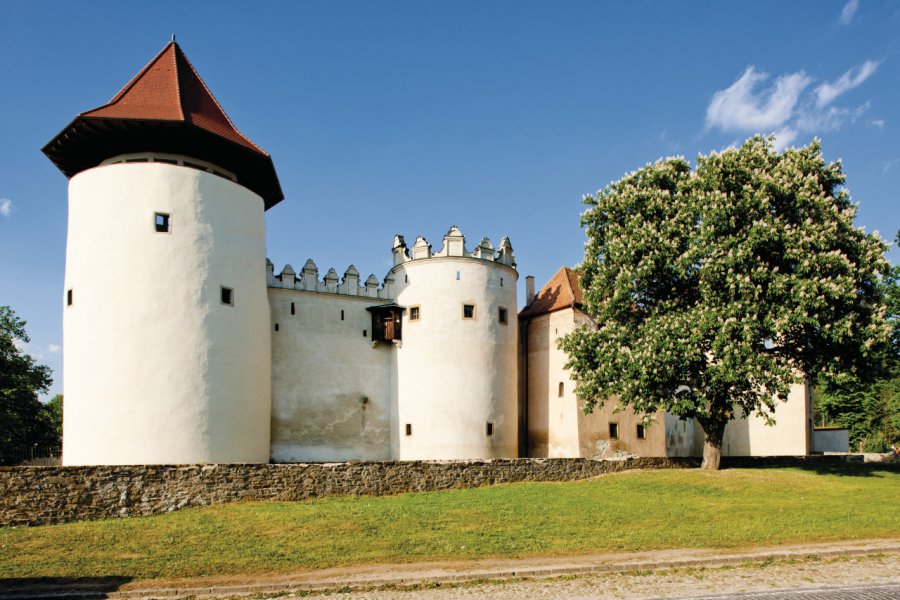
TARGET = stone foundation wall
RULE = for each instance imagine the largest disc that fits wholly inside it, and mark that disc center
(45, 495)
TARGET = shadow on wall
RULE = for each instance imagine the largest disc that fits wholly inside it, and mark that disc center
(62, 587)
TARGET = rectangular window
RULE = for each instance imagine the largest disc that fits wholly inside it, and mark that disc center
(613, 431)
(227, 296)
(490, 428)
(409, 429)
(468, 311)
(69, 298)
(503, 315)
(293, 310)
(365, 333)
(640, 432)
(562, 389)
(161, 221)
(413, 313)
(276, 327)
(342, 315)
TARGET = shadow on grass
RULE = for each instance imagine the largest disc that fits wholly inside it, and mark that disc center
(837, 465)
(60, 587)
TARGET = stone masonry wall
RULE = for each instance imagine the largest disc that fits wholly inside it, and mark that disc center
(45, 495)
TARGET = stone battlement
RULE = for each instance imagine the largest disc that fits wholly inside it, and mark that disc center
(308, 280)
(454, 245)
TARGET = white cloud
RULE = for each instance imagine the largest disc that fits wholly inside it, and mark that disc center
(54, 348)
(741, 107)
(5, 207)
(827, 92)
(787, 107)
(848, 11)
(879, 123)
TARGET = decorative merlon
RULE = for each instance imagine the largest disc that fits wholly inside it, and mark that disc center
(454, 245)
(309, 281)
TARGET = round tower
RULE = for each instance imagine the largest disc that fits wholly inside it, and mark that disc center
(166, 317)
(456, 370)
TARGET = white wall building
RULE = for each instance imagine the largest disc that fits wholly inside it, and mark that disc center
(182, 344)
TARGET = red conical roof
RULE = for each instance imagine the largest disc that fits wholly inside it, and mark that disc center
(166, 107)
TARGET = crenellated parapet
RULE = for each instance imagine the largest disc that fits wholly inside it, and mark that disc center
(308, 280)
(454, 245)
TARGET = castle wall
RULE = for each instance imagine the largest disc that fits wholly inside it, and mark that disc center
(455, 375)
(331, 388)
(791, 434)
(158, 369)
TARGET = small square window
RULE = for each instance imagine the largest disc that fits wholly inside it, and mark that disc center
(162, 222)
(227, 296)
(490, 428)
(613, 431)
(414, 313)
(642, 435)
(69, 298)
(468, 311)
(409, 429)
(503, 315)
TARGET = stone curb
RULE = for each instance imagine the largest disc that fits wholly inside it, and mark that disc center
(408, 575)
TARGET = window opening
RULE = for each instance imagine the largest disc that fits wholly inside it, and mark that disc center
(161, 222)
(365, 333)
(414, 313)
(490, 428)
(562, 389)
(342, 315)
(457, 275)
(69, 298)
(641, 433)
(409, 429)
(468, 311)
(276, 327)
(503, 315)
(227, 296)
(406, 278)
(501, 282)
(293, 310)
(613, 431)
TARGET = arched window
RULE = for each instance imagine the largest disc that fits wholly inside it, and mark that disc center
(562, 389)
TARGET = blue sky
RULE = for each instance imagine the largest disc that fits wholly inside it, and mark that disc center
(409, 117)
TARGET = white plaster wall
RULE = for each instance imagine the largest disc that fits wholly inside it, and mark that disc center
(790, 436)
(330, 387)
(158, 370)
(455, 375)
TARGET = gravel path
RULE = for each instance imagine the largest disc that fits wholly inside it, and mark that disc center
(681, 583)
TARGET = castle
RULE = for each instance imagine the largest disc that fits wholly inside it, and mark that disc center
(183, 344)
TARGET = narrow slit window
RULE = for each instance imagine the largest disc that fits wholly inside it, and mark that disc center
(490, 428)
(613, 431)
(227, 295)
(503, 315)
(414, 313)
(162, 222)
(293, 309)
(562, 389)
(406, 278)
(276, 327)
(365, 333)
(468, 311)
(457, 275)
(69, 298)
(409, 429)
(342, 315)
(501, 282)
(641, 433)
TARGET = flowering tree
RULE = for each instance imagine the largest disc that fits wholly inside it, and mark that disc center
(717, 288)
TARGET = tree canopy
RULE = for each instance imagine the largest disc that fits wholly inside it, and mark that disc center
(716, 288)
(24, 420)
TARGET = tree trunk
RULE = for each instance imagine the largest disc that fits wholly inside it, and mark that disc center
(712, 445)
(713, 423)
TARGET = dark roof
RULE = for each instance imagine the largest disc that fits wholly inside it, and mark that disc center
(562, 291)
(166, 107)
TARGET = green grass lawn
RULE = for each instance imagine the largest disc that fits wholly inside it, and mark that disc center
(625, 512)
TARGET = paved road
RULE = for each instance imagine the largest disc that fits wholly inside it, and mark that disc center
(868, 592)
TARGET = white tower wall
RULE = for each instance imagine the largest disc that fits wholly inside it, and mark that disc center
(454, 375)
(158, 369)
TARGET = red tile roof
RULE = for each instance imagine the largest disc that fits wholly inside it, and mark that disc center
(562, 291)
(169, 89)
(165, 108)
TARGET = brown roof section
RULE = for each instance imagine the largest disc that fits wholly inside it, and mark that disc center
(562, 291)
(166, 107)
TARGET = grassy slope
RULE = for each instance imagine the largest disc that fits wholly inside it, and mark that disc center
(629, 511)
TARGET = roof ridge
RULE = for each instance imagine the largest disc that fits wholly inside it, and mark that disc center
(175, 53)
